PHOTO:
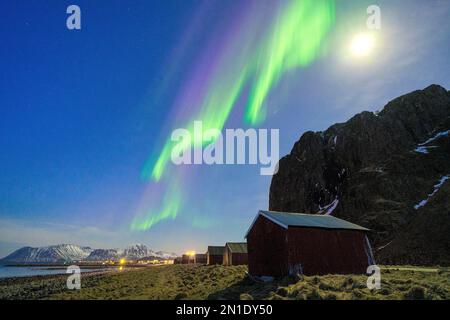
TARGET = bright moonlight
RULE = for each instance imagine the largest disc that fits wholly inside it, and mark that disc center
(362, 45)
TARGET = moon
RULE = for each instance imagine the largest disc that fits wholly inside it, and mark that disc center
(362, 45)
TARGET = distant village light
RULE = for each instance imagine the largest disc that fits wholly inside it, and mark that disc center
(190, 253)
(122, 261)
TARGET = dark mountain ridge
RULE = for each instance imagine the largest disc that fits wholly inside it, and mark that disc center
(385, 171)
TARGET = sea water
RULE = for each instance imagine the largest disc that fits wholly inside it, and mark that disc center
(14, 271)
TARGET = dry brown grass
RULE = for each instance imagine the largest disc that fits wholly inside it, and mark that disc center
(220, 282)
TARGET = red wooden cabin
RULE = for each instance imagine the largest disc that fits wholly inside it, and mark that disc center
(214, 255)
(235, 254)
(200, 258)
(281, 244)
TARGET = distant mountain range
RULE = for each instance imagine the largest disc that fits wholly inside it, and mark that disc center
(70, 252)
(133, 252)
(388, 171)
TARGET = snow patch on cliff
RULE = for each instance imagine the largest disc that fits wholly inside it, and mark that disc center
(424, 149)
(436, 189)
(328, 209)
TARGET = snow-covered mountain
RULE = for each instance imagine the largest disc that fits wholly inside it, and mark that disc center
(137, 251)
(50, 254)
(105, 254)
(133, 252)
(165, 255)
(70, 252)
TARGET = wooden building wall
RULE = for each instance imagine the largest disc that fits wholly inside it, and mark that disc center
(214, 258)
(226, 257)
(275, 251)
(325, 251)
(200, 258)
(234, 259)
(267, 249)
(238, 259)
(185, 259)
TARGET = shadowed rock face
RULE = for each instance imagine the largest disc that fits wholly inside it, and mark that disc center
(373, 170)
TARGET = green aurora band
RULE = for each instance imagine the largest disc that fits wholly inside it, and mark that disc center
(293, 40)
(170, 206)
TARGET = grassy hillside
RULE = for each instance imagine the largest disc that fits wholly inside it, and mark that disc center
(219, 282)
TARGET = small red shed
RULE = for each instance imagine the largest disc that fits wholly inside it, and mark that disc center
(235, 253)
(185, 259)
(214, 255)
(177, 260)
(281, 244)
(200, 258)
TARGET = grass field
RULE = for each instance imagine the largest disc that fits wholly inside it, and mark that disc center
(220, 282)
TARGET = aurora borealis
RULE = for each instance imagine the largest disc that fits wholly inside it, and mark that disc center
(86, 116)
(255, 54)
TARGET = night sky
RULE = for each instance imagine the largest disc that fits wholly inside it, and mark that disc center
(86, 114)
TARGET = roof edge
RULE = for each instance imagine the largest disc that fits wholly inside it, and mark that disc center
(261, 212)
(227, 246)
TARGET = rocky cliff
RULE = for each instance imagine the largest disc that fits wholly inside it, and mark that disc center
(387, 171)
